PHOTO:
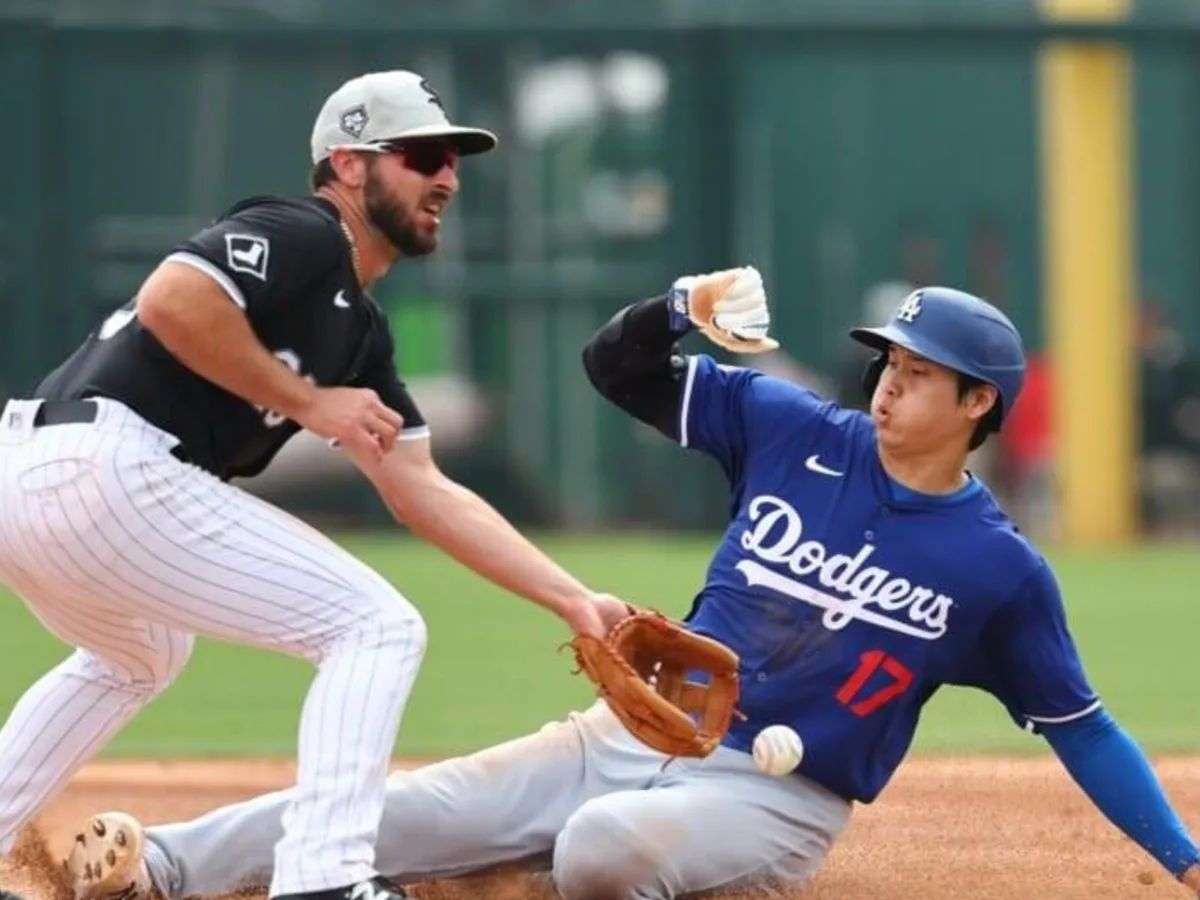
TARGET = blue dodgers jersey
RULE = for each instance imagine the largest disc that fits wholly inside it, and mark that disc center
(850, 602)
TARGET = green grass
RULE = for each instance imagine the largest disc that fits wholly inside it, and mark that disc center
(492, 671)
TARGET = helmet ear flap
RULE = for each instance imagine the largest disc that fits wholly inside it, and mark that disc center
(872, 373)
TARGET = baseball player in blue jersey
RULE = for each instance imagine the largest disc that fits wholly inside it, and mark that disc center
(862, 568)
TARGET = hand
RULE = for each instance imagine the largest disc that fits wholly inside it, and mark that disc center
(353, 417)
(612, 610)
(730, 308)
(1191, 878)
(596, 615)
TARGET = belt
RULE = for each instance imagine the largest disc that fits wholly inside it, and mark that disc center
(75, 412)
(65, 412)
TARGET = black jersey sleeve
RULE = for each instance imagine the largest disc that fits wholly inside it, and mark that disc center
(264, 252)
(379, 373)
(634, 361)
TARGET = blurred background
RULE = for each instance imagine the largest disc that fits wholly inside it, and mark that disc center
(848, 149)
(1043, 155)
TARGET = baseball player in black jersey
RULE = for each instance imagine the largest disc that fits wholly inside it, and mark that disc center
(119, 529)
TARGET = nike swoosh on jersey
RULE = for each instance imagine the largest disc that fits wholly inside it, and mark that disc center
(340, 301)
(813, 464)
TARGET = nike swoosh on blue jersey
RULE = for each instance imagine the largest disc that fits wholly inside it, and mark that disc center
(813, 464)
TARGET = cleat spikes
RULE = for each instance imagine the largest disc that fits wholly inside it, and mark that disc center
(106, 862)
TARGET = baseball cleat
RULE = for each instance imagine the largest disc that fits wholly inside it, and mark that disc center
(377, 888)
(105, 862)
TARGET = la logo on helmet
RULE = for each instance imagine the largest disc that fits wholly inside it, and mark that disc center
(910, 308)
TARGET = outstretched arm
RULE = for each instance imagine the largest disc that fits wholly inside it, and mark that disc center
(459, 522)
(1115, 774)
(1031, 664)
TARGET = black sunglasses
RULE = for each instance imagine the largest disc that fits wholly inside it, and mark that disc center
(425, 157)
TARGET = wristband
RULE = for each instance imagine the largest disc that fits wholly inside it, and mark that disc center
(677, 311)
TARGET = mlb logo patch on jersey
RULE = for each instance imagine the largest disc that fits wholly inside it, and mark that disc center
(247, 253)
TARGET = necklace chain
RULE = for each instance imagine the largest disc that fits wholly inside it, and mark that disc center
(353, 249)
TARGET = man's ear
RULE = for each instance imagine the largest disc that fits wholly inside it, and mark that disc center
(980, 400)
(349, 167)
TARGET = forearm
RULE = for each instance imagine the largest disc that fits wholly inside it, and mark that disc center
(633, 362)
(463, 525)
(1115, 774)
(200, 327)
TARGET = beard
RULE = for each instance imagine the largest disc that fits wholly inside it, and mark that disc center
(394, 221)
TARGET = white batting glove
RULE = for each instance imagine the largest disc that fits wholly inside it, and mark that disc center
(729, 307)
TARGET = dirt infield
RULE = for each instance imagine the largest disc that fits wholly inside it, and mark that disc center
(946, 829)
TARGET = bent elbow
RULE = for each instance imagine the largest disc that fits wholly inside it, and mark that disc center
(589, 363)
(177, 299)
(158, 305)
(154, 312)
(602, 366)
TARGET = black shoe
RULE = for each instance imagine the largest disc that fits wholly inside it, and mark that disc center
(377, 888)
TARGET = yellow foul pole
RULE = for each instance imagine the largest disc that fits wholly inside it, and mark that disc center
(1088, 273)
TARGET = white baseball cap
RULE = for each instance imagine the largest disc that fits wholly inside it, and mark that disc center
(371, 111)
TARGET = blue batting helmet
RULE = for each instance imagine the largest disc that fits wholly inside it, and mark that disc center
(959, 331)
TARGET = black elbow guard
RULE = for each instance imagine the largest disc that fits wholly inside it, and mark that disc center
(602, 354)
(633, 361)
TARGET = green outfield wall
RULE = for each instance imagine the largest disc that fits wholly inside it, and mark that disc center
(841, 147)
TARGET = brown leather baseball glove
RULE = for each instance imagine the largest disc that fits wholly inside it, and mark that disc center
(641, 670)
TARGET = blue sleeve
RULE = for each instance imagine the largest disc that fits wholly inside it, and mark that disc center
(1029, 660)
(1115, 774)
(727, 411)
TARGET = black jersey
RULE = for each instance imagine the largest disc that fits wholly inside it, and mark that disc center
(288, 265)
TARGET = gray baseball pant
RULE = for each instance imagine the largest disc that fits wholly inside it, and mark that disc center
(620, 823)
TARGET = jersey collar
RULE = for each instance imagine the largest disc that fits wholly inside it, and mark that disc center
(892, 493)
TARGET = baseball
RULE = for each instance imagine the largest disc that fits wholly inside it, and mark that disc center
(778, 750)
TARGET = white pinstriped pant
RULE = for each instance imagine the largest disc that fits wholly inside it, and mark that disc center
(124, 552)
